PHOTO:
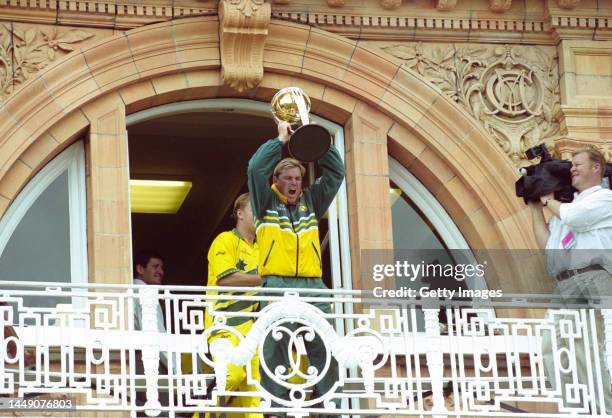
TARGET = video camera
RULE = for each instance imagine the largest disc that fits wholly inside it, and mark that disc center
(548, 176)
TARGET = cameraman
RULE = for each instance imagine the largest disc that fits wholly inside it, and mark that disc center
(578, 243)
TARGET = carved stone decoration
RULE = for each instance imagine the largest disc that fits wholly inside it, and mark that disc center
(500, 6)
(242, 32)
(511, 90)
(446, 4)
(390, 4)
(336, 3)
(568, 4)
(25, 50)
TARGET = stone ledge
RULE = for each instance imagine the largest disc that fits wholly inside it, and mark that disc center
(369, 22)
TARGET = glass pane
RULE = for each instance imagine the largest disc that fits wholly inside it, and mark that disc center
(413, 231)
(39, 248)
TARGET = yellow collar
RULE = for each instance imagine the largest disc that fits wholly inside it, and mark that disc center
(281, 196)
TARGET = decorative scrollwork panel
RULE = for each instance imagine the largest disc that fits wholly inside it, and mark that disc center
(513, 91)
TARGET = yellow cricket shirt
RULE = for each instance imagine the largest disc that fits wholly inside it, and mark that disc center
(230, 253)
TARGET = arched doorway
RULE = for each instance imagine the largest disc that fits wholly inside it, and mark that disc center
(231, 158)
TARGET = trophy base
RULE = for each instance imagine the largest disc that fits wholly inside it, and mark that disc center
(309, 143)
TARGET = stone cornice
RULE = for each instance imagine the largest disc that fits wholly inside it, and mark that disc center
(104, 14)
(602, 112)
(585, 122)
(572, 26)
(580, 22)
(496, 24)
(426, 28)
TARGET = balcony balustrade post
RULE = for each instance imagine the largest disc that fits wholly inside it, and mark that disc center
(435, 361)
(607, 316)
(6, 340)
(220, 349)
(149, 300)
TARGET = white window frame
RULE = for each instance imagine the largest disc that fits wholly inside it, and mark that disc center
(435, 213)
(71, 160)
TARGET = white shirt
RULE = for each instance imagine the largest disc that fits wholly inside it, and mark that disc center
(589, 218)
(160, 321)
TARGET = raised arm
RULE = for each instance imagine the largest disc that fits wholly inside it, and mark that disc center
(325, 187)
(259, 172)
(261, 166)
(540, 228)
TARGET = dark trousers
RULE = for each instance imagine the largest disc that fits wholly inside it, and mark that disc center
(276, 353)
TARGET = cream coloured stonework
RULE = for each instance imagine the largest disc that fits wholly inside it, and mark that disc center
(242, 32)
(463, 141)
(512, 91)
(404, 80)
(386, 98)
(586, 90)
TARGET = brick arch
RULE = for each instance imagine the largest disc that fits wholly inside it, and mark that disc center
(179, 60)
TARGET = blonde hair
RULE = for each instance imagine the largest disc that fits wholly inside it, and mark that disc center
(240, 203)
(595, 155)
(286, 164)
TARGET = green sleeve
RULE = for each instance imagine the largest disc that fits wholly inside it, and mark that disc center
(325, 187)
(260, 169)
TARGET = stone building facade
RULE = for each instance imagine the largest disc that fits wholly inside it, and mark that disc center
(455, 91)
(451, 91)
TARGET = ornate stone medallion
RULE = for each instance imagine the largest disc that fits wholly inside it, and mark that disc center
(511, 90)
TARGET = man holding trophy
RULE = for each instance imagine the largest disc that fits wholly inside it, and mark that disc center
(287, 218)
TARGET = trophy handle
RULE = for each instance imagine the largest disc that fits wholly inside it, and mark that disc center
(301, 104)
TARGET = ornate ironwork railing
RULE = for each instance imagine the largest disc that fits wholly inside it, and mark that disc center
(395, 357)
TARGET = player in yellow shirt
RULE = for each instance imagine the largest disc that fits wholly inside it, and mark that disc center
(232, 261)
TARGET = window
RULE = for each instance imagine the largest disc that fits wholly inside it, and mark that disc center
(42, 234)
(422, 227)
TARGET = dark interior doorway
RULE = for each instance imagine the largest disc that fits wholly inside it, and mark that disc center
(210, 149)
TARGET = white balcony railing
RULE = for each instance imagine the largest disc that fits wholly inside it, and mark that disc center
(393, 358)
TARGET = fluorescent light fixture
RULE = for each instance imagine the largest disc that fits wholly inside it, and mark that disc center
(158, 196)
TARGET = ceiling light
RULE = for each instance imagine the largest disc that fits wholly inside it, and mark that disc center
(158, 196)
